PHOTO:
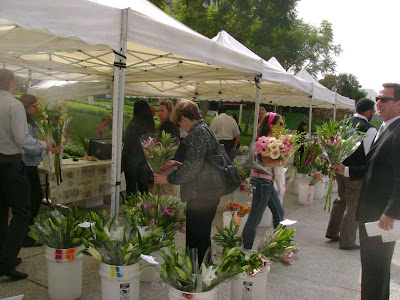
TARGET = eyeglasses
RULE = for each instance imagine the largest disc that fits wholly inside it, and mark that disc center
(280, 123)
(385, 99)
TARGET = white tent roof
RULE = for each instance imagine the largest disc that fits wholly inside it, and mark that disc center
(321, 92)
(75, 39)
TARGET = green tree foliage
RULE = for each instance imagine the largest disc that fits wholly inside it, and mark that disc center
(346, 84)
(267, 27)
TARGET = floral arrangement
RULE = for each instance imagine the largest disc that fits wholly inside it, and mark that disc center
(54, 127)
(247, 262)
(305, 163)
(117, 242)
(315, 177)
(279, 146)
(158, 153)
(59, 230)
(180, 270)
(279, 246)
(243, 150)
(322, 164)
(155, 212)
(237, 209)
(338, 140)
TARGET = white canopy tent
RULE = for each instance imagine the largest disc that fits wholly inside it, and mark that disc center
(105, 41)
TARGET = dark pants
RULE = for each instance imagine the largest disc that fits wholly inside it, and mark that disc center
(136, 176)
(14, 193)
(36, 191)
(344, 210)
(376, 258)
(199, 216)
(228, 145)
(264, 195)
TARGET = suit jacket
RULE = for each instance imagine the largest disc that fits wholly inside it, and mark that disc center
(380, 191)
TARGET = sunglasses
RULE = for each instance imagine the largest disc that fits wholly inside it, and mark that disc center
(385, 99)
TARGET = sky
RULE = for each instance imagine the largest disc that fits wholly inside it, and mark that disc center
(367, 30)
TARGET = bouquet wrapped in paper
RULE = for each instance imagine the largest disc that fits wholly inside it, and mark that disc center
(338, 140)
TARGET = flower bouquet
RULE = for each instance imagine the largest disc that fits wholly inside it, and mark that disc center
(279, 247)
(150, 212)
(180, 271)
(315, 177)
(59, 230)
(243, 150)
(54, 127)
(338, 140)
(304, 163)
(158, 153)
(119, 243)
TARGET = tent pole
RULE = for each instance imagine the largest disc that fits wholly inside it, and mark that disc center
(310, 118)
(257, 105)
(118, 116)
(30, 79)
(334, 108)
(275, 108)
(240, 112)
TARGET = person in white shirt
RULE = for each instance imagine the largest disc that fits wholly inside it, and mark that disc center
(342, 225)
(14, 184)
(226, 131)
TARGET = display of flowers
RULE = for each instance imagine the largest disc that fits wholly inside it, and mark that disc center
(315, 177)
(53, 127)
(237, 209)
(305, 162)
(116, 242)
(180, 270)
(160, 152)
(155, 212)
(338, 140)
(279, 247)
(280, 147)
(59, 230)
(243, 150)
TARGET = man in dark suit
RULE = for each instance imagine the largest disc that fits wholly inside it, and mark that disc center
(380, 195)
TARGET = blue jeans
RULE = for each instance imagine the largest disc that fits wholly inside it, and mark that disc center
(264, 195)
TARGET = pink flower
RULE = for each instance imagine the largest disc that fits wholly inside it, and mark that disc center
(275, 154)
(288, 258)
(148, 143)
(152, 223)
(167, 212)
(183, 229)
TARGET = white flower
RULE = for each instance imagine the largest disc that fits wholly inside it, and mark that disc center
(144, 231)
(107, 232)
(208, 274)
(118, 234)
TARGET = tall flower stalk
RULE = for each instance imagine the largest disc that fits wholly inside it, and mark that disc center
(338, 140)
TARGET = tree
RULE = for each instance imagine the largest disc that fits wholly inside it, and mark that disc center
(267, 27)
(346, 84)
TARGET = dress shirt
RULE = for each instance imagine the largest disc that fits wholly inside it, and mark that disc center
(224, 127)
(384, 126)
(369, 135)
(14, 127)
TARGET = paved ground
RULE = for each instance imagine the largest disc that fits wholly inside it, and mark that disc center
(321, 270)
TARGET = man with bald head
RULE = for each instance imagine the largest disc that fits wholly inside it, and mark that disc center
(14, 185)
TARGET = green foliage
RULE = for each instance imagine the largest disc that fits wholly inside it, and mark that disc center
(119, 243)
(346, 85)
(59, 230)
(226, 236)
(274, 247)
(305, 163)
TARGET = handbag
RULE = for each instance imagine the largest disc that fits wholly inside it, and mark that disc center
(218, 176)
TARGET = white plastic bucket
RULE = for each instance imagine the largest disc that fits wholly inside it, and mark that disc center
(300, 178)
(306, 193)
(64, 273)
(174, 294)
(241, 197)
(120, 282)
(319, 190)
(149, 272)
(227, 216)
(266, 220)
(250, 288)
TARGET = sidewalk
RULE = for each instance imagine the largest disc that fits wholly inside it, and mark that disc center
(321, 270)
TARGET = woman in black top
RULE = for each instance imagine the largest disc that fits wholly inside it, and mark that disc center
(200, 144)
(164, 114)
(133, 158)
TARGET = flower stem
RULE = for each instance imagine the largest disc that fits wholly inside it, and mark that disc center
(328, 198)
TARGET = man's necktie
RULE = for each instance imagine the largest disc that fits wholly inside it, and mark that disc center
(381, 129)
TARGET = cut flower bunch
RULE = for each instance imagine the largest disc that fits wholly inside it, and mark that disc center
(338, 140)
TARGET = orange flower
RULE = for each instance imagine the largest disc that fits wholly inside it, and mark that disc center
(232, 206)
(245, 209)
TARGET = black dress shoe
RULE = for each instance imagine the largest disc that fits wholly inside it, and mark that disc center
(15, 275)
(354, 247)
(332, 238)
(18, 261)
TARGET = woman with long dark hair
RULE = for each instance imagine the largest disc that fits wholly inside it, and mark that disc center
(134, 161)
(264, 193)
(31, 159)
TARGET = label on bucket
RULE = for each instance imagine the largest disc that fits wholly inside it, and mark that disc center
(124, 291)
(61, 254)
(247, 290)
